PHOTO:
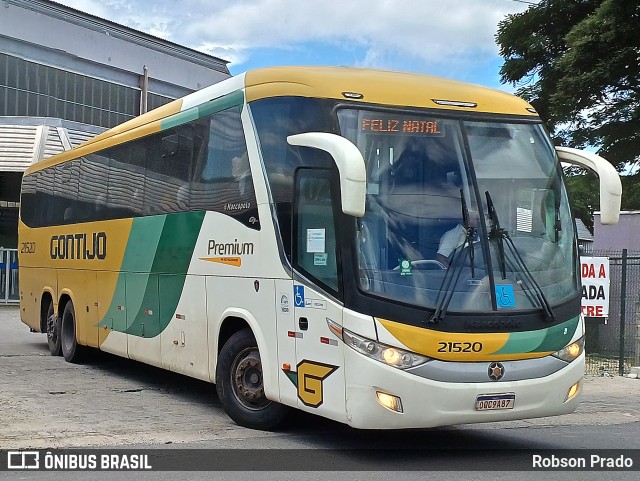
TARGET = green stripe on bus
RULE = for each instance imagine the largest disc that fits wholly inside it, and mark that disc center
(156, 260)
(551, 339)
(225, 102)
(559, 336)
(139, 256)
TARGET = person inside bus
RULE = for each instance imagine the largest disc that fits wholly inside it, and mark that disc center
(242, 173)
(455, 238)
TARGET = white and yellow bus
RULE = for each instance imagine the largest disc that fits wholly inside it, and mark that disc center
(387, 250)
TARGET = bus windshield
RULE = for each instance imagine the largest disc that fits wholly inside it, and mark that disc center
(467, 215)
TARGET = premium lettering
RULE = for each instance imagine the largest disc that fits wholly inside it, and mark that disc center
(79, 246)
(230, 248)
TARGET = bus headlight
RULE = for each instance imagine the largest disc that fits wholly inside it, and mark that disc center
(571, 351)
(391, 356)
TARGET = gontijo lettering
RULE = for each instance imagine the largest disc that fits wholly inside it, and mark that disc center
(79, 246)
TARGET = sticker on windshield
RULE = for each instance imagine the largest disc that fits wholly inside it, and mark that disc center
(316, 240)
(505, 296)
(405, 267)
(320, 259)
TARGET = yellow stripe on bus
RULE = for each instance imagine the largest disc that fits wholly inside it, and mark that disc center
(454, 346)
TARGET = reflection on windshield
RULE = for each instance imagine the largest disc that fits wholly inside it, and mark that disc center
(422, 200)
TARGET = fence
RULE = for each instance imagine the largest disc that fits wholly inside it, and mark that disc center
(613, 345)
(9, 292)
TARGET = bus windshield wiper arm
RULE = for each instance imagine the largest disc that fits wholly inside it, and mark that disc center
(471, 231)
(496, 233)
(448, 283)
(501, 234)
(542, 299)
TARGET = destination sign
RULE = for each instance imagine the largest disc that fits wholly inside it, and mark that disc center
(400, 126)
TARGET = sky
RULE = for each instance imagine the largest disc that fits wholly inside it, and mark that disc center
(448, 38)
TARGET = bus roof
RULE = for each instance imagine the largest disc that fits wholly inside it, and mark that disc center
(382, 87)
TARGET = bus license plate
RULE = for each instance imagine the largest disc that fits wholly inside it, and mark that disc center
(489, 402)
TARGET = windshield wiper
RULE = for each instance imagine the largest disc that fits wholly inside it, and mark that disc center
(497, 233)
(446, 288)
(501, 234)
(471, 231)
(455, 265)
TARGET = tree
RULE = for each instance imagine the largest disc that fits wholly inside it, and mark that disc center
(578, 63)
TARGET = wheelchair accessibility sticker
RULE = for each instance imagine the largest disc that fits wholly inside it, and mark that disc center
(298, 296)
(505, 296)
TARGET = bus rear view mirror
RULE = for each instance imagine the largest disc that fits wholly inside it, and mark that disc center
(353, 176)
(610, 185)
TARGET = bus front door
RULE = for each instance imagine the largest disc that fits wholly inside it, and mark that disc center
(319, 371)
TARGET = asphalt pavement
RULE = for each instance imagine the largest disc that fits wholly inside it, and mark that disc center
(48, 403)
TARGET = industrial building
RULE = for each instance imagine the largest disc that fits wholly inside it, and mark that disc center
(66, 76)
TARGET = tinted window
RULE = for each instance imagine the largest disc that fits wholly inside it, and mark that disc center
(316, 250)
(92, 188)
(126, 181)
(65, 199)
(222, 177)
(201, 165)
(168, 173)
(28, 198)
(275, 119)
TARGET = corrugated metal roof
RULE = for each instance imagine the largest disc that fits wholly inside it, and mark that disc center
(25, 140)
(17, 143)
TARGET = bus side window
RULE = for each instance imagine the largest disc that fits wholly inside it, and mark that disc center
(168, 169)
(28, 199)
(222, 176)
(315, 245)
(126, 176)
(92, 188)
(44, 196)
(66, 193)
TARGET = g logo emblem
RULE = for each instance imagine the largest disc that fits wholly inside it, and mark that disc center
(309, 380)
(310, 377)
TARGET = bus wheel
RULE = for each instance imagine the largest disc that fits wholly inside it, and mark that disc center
(71, 351)
(240, 386)
(53, 332)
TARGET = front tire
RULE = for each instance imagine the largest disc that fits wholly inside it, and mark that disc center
(240, 387)
(71, 350)
(53, 332)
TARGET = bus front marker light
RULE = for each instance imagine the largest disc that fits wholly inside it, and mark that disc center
(573, 390)
(389, 401)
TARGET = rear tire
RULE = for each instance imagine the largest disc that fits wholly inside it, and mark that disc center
(53, 332)
(240, 386)
(71, 350)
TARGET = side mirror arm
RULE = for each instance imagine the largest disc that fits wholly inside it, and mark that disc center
(351, 168)
(610, 185)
